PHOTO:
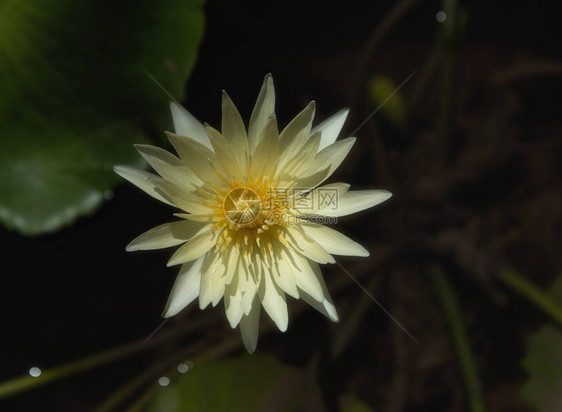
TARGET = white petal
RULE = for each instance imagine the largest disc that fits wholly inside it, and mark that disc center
(355, 201)
(197, 246)
(322, 197)
(218, 288)
(144, 181)
(186, 124)
(168, 166)
(250, 289)
(249, 327)
(323, 304)
(331, 128)
(305, 245)
(186, 287)
(290, 170)
(190, 202)
(265, 154)
(232, 263)
(200, 159)
(273, 301)
(333, 241)
(232, 304)
(307, 280)
(264, 108)
(249, 273)
(226, 159)
(326, 162)
(166, 235)
(212, 280)
(296, 133)
(233, 129)
(284, 275)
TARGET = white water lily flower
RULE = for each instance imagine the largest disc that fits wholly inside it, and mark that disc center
(252, 201)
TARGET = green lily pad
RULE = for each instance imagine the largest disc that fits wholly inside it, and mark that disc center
(242, 384)
(543, 363)
(76, 96)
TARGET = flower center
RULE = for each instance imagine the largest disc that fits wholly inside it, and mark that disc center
(251, 216)
(242, 207)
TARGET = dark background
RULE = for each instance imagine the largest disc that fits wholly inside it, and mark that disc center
(490, 198)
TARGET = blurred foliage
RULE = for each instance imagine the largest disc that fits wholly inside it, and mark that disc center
(543, 363)
(393, 109)
(243, 384)
(355, 405)
(75, 97)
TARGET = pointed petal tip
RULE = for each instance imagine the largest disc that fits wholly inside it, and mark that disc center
(166, 313)
(386, 194)
(233, 322)
(250, 349)
(225, 99)
(121, 169)
(361, 252)
(171, 310)
(176, 108)
(142, 148)
(250, 340)
(331, 311)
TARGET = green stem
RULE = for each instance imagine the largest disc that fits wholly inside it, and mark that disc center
(26, 382)
(533, 293)
(459, 335)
